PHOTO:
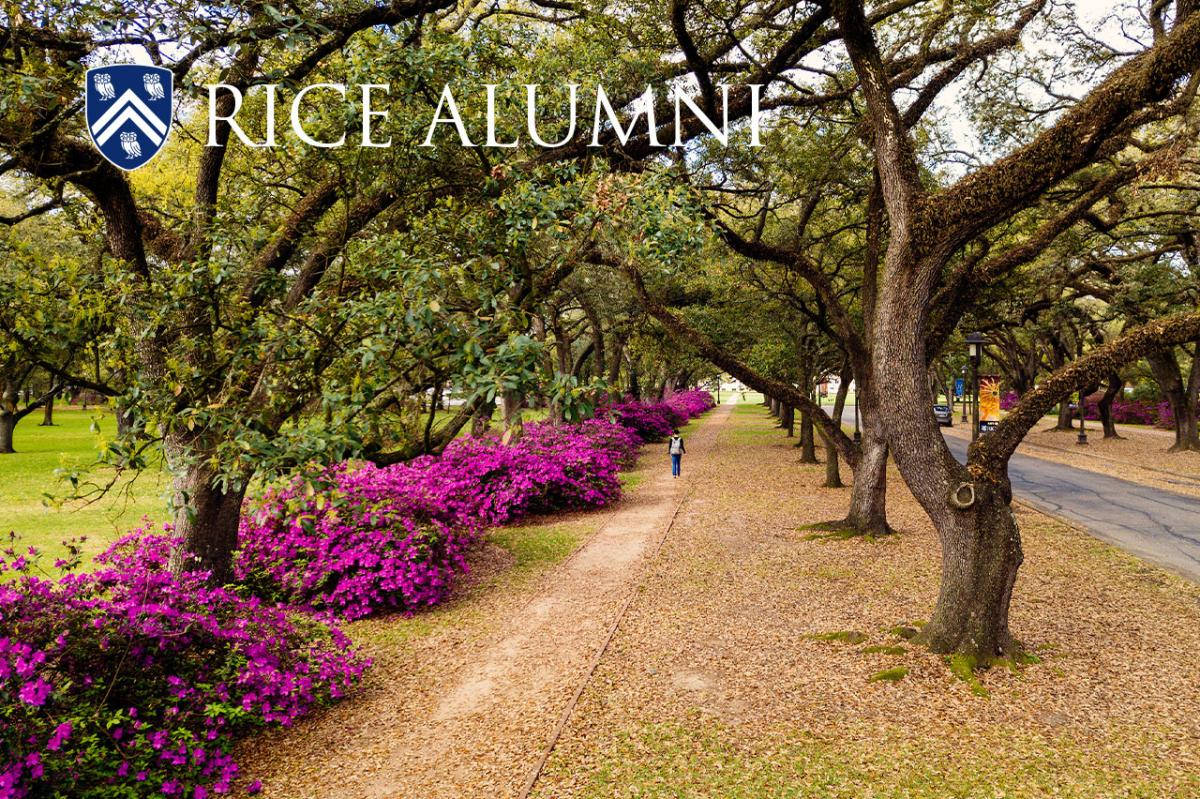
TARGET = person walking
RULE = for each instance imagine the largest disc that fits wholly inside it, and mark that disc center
(676, 449)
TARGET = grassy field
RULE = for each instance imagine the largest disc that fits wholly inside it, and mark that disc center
(30, 474)
(32, 492)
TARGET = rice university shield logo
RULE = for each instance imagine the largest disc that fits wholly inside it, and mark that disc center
(128, 109)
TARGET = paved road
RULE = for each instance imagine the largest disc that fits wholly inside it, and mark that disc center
(1159, 526)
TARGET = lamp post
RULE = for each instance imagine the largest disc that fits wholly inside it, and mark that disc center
(964, 395)
(975, 343)
(1082, 440)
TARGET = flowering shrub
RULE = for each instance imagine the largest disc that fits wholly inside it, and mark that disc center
(1126, 411)
(651, 422)
(691, 403)
(345, 547)
(128, 681)
(1133, 412)
(361, 539)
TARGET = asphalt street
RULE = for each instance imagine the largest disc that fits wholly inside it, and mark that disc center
(1158, 526)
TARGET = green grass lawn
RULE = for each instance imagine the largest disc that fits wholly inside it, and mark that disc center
(29, 474)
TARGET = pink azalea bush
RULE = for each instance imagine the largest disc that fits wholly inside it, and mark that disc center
(655, 421)
(359, 539)
(129, 681)
(691, 404)
(1132, 411)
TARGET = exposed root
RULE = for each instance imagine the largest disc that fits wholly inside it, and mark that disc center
(843, 529)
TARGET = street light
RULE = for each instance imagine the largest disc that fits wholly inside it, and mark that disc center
(964, 395)
(975, 342)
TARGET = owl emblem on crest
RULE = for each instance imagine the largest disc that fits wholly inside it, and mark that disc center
(153, 85)
(130, 144)
(104, 87)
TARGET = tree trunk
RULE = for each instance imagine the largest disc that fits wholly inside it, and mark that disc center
(980, 543)
(206, 518)
(48, 413)
(514, 427)
(789, 420)
(1165, 368)
(8, 423)
(1115, 386)
(1065, 416)
(124, 421)
(1186, 437)
(868, 494)
(808, 453)
(481, 422)
(833, 472)
(981, 553)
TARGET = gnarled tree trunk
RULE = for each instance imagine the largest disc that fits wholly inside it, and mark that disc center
(808, 453)
(1115, 386)
(1182, 398)
(206, 518)
(980, 542)
(981, 553)
(8, 424)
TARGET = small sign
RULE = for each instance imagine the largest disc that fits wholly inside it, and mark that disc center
(988, 425)
(960, 385)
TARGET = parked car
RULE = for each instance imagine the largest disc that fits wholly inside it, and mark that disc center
(944, 415)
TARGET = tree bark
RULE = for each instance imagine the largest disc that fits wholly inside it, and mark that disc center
(48, 413)
(1065, 416)
(206, 519)
(981, 553)
(1186, 432)
(514, 426)
(868, 493)
(808, 453)
(8, 423)
(789, 420)
(1116, 384)
(833, 472)
(481, 420)
(980, 542)
(1165, 368)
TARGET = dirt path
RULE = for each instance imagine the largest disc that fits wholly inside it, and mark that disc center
(478, 725)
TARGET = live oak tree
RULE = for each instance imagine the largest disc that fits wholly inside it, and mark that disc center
(928, 225)
(234, 291)
(53, 311)
(945, 237)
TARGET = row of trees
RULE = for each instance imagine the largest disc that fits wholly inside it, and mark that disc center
(248, 310)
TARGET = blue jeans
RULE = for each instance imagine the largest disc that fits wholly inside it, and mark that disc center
(675, 461)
